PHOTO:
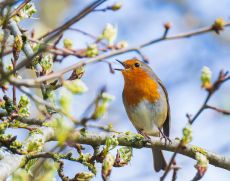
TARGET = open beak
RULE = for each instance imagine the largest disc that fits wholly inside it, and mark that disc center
(121, 64)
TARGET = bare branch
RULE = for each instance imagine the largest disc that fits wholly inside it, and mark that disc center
(32, 82)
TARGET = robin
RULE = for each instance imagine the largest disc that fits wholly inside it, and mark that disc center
(146, 102)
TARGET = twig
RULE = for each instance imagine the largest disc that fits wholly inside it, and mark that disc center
(223, 76)
(175, 170)
(15, 12)
(73, 20)
(223, 111)
(39, 100)
(32, 82)
(56, 32)
(89, 35)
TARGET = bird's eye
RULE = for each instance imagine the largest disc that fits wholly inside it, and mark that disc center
(137, 65)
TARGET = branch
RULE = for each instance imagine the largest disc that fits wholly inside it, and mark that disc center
(76, 18)
(11, 162)
(223, 111)
(33, 82)
(15, 12)
(133, 141)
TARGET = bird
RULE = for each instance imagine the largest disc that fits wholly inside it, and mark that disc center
(146, 102)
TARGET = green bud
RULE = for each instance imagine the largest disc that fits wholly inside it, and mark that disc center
(206, 76)
(116, 6)
(9, 68)
(26, 12)
(68, 43)
(102, 105)
(1, 34)
(107, 166)
(23, 105)
(202, 160)
(75, 86)
(109, 33)
(24, 101)
(218, 25)
(92, 50)
(124, 155)
(65, 100)
(18, 43)
(47, 62)
(77, 73)
(107, 97)
(110, 144)
(3, 126)
(187, 134)
(99, 112)
(84, 176)
(62, 130)
(34, 146)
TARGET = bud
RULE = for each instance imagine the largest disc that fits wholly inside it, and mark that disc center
(47, 62)
(202, 160)
(218, 25)
(92, 50)
(187, 134)
(2, 104)
(205, 78)
(202, 164)
(26, 12)
(122, 44)
(167, 25)
(116, 6)
(77, 73)
(68, 43)
(84, 176)
(65, 100)
(10, 68)
(107, 97)
(1, 35)
(107, 166)
(24, 106)
(102, 105)
(62, 130)
(110, 144)
(109, 33)
(24, 101)
(30, 9)
(124, 155)
(75, 86)
(17, 46)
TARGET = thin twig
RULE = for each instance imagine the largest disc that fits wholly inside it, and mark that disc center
(223, 76)
(32, 82)
(223, 111)
(15, 12)
(73, 20)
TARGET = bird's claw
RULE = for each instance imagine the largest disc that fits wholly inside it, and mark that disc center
(166, 138)
(146, 137)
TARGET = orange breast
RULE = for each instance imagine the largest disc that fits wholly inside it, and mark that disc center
(138, 86)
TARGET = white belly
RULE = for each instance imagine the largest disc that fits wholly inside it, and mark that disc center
(148, 117)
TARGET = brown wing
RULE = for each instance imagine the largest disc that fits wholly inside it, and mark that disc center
(166, 125)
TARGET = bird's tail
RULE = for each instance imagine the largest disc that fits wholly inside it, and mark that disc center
(159, 162)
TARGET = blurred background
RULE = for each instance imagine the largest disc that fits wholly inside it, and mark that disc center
(178, 63)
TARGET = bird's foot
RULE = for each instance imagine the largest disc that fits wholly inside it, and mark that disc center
(163, 136)
(147, 137)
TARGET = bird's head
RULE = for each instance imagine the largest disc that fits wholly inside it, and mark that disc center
(134, 68)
